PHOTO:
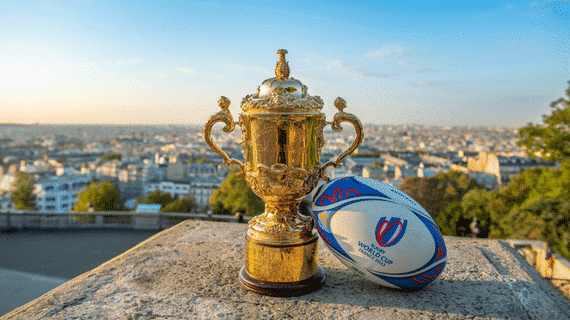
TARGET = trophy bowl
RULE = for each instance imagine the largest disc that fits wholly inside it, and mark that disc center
(282, 139)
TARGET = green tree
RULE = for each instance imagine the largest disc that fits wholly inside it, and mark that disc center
(111, 156)
(475, 205)
(378, 164)
(203, 160)
(550, 183)
(365, 155)
(23, 197)
(104, 196)
(437, 192)
(550, 140)
(452, 220)
(158, 197)
(235, 194)
(180, 205)
(544, 219)
(200, 160)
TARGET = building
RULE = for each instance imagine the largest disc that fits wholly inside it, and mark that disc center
(108, 170)
(355, 165)
(203, 188)
(130, 182)
(175, 189)
(201, 169)
(402, 172)
(5, 202)
(199, 188)
(509, 167)
(503, 168)
(175, 171)
(59, 193)
(374, 172)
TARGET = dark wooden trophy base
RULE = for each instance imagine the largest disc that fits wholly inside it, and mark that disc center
(282, 289)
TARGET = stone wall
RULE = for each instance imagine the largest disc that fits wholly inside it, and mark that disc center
(549, 264)
(190, 271)
(19, 219)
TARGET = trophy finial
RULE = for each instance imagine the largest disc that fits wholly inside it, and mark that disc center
(224, 102)
(282, 68)
(340, 104)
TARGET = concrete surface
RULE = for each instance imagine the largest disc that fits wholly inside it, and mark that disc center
(34, 262)
(190, 272)
(19, 287)
(64, 253)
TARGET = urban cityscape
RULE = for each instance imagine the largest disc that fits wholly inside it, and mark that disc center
(175, 159)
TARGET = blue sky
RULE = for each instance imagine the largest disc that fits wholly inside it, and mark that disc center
(405, 62)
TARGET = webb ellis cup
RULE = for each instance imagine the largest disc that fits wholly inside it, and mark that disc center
(282, 138)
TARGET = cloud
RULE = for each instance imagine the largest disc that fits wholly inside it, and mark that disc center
(340, 66)
(186, 70)
(390, 61)
(121, 62)
(386, 51)
(396, 72)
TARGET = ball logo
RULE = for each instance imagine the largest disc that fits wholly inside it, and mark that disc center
(337, 191)
(388, 233)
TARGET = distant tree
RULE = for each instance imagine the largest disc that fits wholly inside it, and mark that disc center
(111, 156)
(23, 197)
(378, 164)
(452, 220)
(157, 197)
(551, 140)
(510, 197)
(218, 208)
(365, 155)
(544, 219)
(235, 194)
(103, 195)
(549, 183)
(475, 205)
(437, 192)
(203, 160)
(180, 205)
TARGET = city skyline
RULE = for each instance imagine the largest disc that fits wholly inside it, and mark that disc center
(450, 64)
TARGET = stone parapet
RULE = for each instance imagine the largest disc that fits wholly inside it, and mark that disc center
(21, 219)
(548, 263)
(190, 271)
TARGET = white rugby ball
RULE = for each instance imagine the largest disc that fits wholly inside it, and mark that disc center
(379, 232)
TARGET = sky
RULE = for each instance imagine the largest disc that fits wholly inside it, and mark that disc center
(451, 63)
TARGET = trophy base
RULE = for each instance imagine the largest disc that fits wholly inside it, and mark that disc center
(282, 289)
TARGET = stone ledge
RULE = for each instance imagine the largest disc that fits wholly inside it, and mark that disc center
(190, 271)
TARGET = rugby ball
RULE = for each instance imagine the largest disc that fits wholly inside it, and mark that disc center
(379, 232)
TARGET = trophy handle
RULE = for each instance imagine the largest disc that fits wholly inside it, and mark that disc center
(339, 117)
(224, 116)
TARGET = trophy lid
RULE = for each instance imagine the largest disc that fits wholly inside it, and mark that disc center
(282, 93)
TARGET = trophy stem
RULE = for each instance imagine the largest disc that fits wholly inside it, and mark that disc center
(281, 252)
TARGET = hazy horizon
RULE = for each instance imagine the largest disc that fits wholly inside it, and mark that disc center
(201, 125)
(483, 64)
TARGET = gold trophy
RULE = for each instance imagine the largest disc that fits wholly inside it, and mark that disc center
(282, 139)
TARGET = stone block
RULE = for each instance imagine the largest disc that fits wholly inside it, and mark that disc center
(190, 271)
